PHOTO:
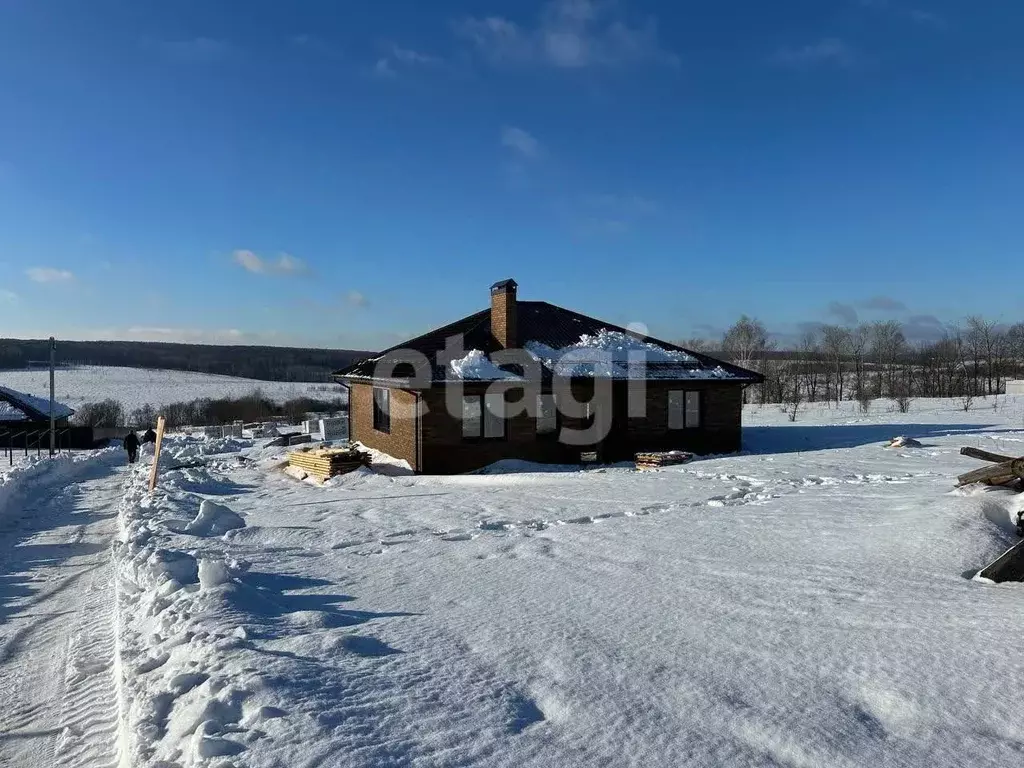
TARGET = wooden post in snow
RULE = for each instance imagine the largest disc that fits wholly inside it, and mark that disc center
(156, 452)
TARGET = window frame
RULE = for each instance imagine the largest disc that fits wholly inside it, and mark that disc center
(381, 413)
(555, 421)
(678, 412)
(487, 418)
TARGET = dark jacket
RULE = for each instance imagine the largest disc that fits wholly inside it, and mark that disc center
(131, 442)
(149, 436)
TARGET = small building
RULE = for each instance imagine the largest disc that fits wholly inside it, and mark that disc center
(21, 410)
(1015, 387)
(533, 381)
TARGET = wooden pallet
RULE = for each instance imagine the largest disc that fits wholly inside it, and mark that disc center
(325, 463)
(654, 460)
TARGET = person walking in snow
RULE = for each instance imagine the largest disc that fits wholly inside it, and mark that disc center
(131, 444)
(149, 436)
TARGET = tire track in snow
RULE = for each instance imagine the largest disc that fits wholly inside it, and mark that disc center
(58, 702)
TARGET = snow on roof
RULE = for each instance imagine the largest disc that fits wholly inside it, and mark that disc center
(29, 406)
(615, 354)
(9, 413)
(476, 365)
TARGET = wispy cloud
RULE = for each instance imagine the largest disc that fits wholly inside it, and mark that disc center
(200, 50)
(612, 214)
(49, 275)
(570, 34)
(356, 299)
(844, 312)
(521, 142)
(8, 297)
(396, 59)
(884, 304)
(284, 264)
(927, 18)
(829, 51)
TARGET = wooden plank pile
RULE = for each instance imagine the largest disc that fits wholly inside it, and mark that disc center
(1004, 470)
(656, 459)
(325, 463)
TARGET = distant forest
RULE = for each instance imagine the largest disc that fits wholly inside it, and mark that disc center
(266, 363)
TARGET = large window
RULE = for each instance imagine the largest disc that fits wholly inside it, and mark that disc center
(382, 409)
(547, 415)
(483, 415)
(683, 410)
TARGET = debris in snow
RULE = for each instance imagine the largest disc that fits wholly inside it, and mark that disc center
(214, 519)
(1004, 471)
(903, 442)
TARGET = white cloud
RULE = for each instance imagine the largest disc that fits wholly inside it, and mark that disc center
(8, 297)
(520, 141)
(570, 34)
(356, 299)
(285, 264)
(396, 57)
(49, 275)
(827, 51)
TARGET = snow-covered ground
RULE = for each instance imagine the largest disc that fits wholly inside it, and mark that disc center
(134, 387)
(58, 694)
(806, 604)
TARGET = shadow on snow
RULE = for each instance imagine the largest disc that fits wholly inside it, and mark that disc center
(794, 438)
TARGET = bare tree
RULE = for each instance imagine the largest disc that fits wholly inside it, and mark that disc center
(835, 341)
(746, 343)
(809, 355)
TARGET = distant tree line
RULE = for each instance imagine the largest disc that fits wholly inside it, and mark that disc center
(204, 411)
(875, 360)
(265, 363)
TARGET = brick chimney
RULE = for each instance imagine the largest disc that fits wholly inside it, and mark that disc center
(503, 313)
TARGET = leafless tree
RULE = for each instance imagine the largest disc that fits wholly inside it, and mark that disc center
(835, 341)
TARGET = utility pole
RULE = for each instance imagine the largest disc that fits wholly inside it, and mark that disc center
(53, 362)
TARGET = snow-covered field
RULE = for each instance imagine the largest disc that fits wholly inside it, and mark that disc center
(808, 603)
(134, 387)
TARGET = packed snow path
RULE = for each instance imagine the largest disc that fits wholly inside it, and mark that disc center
(58, 704)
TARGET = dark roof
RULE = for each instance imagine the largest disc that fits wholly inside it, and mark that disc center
(504, 284)
(31, 408)
(536, 321)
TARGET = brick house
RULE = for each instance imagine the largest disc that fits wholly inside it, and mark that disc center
(534, 381)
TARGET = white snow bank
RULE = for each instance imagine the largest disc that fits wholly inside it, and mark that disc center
(32, 470)
(616, 354)
(476, 365)
(214, 519)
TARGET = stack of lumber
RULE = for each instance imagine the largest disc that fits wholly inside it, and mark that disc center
(325, 463)
(1003, 471)
(662, 459)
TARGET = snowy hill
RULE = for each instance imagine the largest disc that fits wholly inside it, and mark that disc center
(134, 387)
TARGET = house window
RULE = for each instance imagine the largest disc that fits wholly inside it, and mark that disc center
(683, 410)
(472, 416)
(483, 416)
(547, 415)
(382, 409)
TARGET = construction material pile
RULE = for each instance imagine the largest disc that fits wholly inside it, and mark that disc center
(658, 459)
(325, 463)
(1004, 470)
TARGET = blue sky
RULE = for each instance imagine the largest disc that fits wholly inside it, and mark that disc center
(352, 173)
